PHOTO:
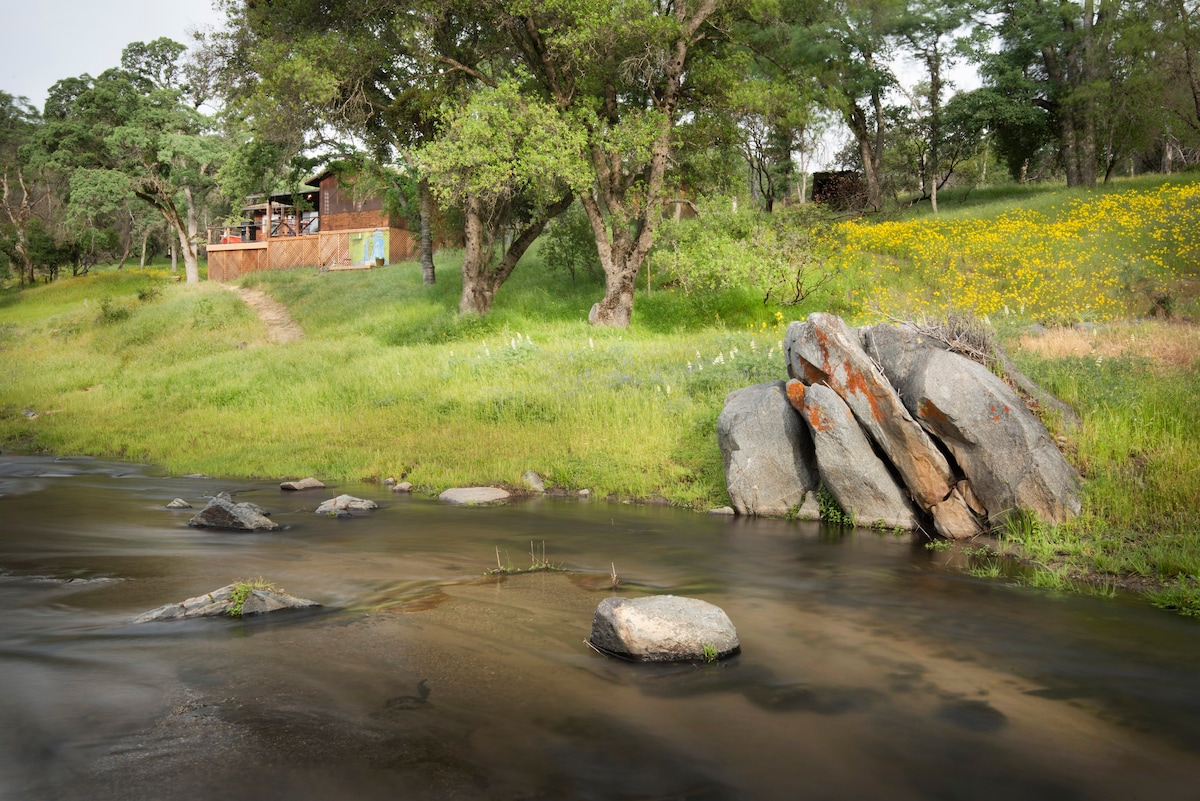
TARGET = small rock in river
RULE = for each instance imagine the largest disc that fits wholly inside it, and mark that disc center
(222, 512)
(474, 496)
(663, 628)
(345, 504)
(302, 484)
(179, 503)
(232, 600)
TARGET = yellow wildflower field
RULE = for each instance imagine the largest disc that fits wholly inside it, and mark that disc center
(1075, 262)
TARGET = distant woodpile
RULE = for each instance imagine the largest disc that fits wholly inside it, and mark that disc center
(842, 189)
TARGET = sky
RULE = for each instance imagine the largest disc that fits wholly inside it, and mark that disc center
(45, 42)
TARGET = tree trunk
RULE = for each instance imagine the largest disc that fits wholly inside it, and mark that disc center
(128, 248)
(191, 264)
(425, 210)
(19, 217)
(145, 241)
(476, 298)
(856, 121)
(480, 282)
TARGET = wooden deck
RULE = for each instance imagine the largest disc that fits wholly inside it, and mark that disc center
(327, 249)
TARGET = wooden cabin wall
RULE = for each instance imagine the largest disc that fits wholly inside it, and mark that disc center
(354, 220)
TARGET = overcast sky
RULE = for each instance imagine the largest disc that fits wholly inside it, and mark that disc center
(48, 40)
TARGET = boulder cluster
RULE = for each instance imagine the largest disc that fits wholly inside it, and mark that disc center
(899, 430)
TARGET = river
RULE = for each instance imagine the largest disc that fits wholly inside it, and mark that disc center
(868, 669)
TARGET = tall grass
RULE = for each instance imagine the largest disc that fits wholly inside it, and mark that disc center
(388, 381)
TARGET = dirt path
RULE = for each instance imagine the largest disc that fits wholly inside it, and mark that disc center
(281, 328)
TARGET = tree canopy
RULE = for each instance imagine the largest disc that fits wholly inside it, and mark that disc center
(505, 112)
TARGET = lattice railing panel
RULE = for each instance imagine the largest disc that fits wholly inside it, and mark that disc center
(299, 251)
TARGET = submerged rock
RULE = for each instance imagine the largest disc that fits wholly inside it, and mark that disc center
(302, 484)
(474, 496)
(232, 600)
(222, 512)
(343, 505)
(663, 628)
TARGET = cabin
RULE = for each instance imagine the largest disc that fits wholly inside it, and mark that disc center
(320, 226)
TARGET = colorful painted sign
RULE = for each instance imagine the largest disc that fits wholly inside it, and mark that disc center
(370, 248)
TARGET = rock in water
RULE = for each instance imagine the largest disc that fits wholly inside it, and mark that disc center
(474, 496)
(823, 350)
(345, 504)
(767, 451)
(179, 503)
(1005, 452)
(222, 512)
(302, 484)
(224, 603)
(849, 467)
(663, 628)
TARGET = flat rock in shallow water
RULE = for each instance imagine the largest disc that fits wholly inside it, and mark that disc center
(302, 484)
(663, 628)
(179, 503)
(222, 512)
(223, 603)
(474, 496)
(344, 504)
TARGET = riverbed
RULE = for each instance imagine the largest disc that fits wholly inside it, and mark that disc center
(869, 669)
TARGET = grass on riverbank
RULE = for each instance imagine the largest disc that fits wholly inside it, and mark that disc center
(389, 381)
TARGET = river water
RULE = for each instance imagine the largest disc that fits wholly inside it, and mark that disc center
(868, 669)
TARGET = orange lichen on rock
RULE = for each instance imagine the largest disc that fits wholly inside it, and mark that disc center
(795, 394)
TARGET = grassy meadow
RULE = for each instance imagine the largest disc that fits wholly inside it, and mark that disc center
(389, 381)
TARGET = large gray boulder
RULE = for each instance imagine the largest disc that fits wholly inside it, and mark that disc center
(222, 512)
(854, 475)
(768, 454)
(1003, 449)
(663, 628)
(823, 350)
(232, 600)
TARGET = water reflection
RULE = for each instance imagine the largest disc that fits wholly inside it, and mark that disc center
(866, 669)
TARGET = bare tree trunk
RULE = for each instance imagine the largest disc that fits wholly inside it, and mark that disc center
(425, 210)
(19, 217)
(145, 242)
(125, 255)
(191, 264)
